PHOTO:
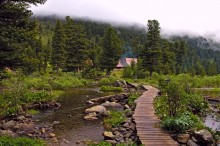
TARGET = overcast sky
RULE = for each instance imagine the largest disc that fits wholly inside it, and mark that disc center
(194, 16)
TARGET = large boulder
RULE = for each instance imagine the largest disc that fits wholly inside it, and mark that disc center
(9, 125)
(7, 133)
(203, 137)
(98, 109)
(111, 104)
(91, 117)
(183, 138)
(108, 135)
(120, 83)
(191, 143)
(26, 128)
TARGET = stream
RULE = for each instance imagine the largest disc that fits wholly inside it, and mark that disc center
(73, 128)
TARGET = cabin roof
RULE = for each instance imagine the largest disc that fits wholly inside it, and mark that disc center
(124, 62)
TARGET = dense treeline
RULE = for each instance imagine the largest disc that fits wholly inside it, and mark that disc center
(178, 54)
(78, 44)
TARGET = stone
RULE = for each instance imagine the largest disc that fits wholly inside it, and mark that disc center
(43, 130)
(108, 135)
(191, 143)
(128, 134)
(99, 109)
(183, 138)
(27, 128)
(119, 83)
(128, 113)
(9, 125)
(66, 141)
(21, 118)
(204, 137)
(113, 142)
(54, 140)
(91, 117)
(111, 104)
(126, 106)
(7, 133)
(52, 134)
(56, 122)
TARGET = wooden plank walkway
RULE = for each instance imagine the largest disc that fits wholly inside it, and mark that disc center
(147, 122)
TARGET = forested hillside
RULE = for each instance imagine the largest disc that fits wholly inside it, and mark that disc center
(194, 55)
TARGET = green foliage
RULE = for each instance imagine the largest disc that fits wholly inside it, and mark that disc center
(21, 141)
(22, 90)
(132, 97)
(32, 112)
(17, 34)
(182, 123)
(196, 103)
(108, 81)
(58, 57)
(151, 54)
(102, 143)
(112, 45)
(115, 119)
(91, 73)
(111, 88)
(77, 46)
(128, 72)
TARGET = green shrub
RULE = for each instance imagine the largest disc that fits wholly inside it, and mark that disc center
(108, 81)
(132, 97)
(196, 103)
(182, 123)
(21, 141)
(115, 119)
(90, 73)
(128, 72)
(111, 88)
(102, 143)
(32, 112)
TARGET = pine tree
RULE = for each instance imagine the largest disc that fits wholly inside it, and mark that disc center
(76, 46)
(151, 55)
(58, 57)
(17, 33)
(112, 45)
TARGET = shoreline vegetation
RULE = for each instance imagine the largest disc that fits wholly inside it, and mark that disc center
(41, 56)
(19, 91)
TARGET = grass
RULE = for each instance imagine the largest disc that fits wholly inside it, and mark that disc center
(19, 90)
(21, 141)
(111, 88)
(32, 112)
(132, 97)
(115, 119)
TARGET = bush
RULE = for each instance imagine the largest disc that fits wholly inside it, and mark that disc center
(128, 72)
(115, 119)
(182, 123)
(108, 81)
(132, 97)
(21, 141)
(90, 73)
(111, 88)
(102, 143)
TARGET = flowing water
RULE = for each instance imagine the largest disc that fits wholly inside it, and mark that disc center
(72, 127)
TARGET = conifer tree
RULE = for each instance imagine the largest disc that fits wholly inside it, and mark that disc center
(58, 57)
(112, 45)
(17, 33)
(76, 46)
(151, 54)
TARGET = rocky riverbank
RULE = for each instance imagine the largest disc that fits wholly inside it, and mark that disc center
(24, 125)
(125, 132)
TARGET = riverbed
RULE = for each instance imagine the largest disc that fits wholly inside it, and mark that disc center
(70, 127)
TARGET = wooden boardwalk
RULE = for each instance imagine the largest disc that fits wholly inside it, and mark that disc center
(147, 122)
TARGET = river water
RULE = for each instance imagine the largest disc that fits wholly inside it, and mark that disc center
(72, 127)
